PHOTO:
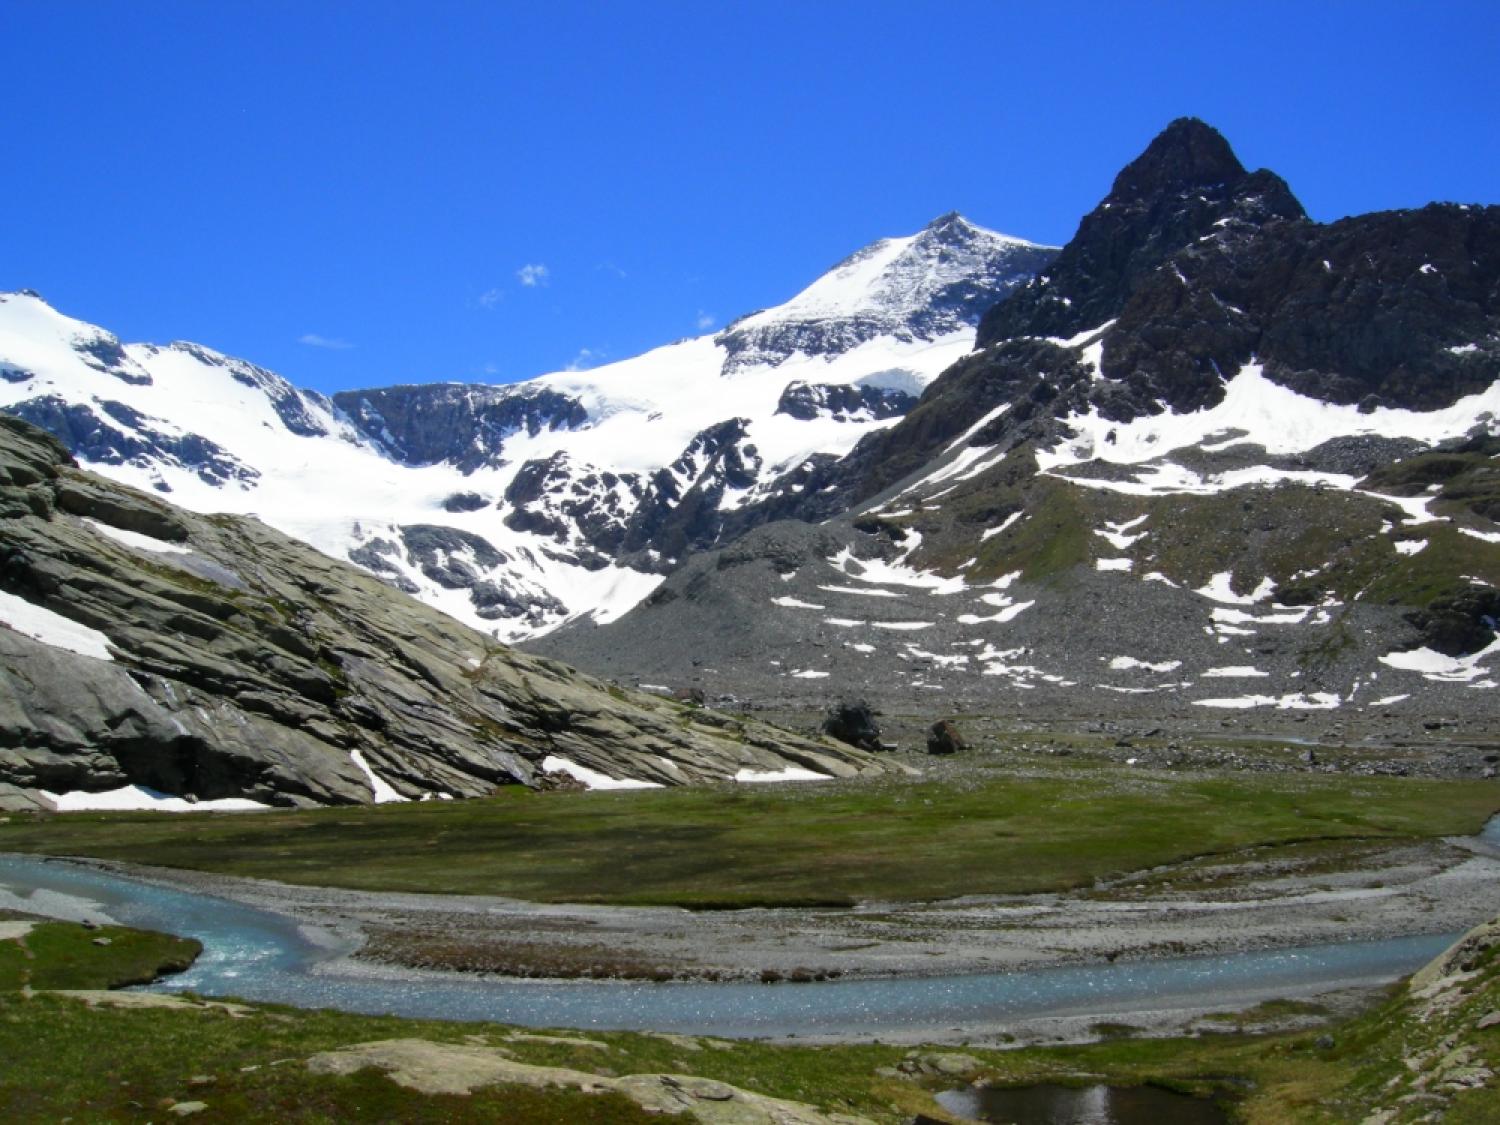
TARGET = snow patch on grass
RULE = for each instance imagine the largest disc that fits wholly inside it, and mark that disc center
(790, 773)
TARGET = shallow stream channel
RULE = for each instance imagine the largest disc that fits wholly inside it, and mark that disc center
(259, 955)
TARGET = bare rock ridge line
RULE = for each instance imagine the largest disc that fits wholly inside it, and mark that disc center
(213, 657)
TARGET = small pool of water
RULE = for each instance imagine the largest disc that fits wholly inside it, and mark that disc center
(1048, 1104)
(258, 955)
(1490, 833)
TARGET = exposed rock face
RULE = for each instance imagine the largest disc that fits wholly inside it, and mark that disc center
(95, 435)
(1215, 456)
(1189, 269)
(843, 402)
(454, 1069)
(462, 423)
(246, 664)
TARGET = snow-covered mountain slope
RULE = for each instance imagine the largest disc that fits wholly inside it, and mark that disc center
(516, 508)
(1261, 471)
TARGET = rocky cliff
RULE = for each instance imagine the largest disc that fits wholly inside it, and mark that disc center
(212, 657)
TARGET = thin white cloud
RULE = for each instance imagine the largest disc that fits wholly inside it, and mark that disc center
(586, 358)
(533, 274)
(706, 320)
(332, 343)
(610, 267)
(490, 298)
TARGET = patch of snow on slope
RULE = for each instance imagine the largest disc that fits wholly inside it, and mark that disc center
(1125, 663)
(136, 540)
(552, 763)
(895, 573)
(1009, 612)
(52, 628)
(1436, 667)
(1113, 564)
(134, 798)
(1274, 417)
(794, 603)
(384, 793)
(1314, 701)
(1009, 521)
(1219, 589)
(1235, 670)
(790, 773)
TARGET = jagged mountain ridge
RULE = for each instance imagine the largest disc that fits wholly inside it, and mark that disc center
(1217, 456)
(215, 658)
(518, 507)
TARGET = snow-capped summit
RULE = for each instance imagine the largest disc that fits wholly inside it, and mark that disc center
(516, 508)
(922, 286)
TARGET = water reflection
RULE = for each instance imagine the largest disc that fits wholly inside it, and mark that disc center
(1083, 1105)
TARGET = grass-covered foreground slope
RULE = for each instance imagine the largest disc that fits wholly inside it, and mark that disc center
(36, 953)
(1427, 1053)
(985, 831)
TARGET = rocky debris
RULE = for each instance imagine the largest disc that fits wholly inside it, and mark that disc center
(853, 722)
(943, 738)
(1437, 1017)
(948, 1064)
(246, 664)
(462, 1068)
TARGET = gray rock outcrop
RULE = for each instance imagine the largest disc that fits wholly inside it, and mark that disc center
(244, 663)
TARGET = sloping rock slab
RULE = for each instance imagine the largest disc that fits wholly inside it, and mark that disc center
(457, 1068)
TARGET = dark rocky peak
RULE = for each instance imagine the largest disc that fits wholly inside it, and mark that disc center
(1187, 185)
(1186, 154)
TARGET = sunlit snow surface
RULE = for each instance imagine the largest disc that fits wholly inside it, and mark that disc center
(384, 793)
(52, 628)
(338, 490)
(593, 778)
(131, 798)
(790, 773)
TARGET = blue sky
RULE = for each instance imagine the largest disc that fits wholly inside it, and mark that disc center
(357, 194)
